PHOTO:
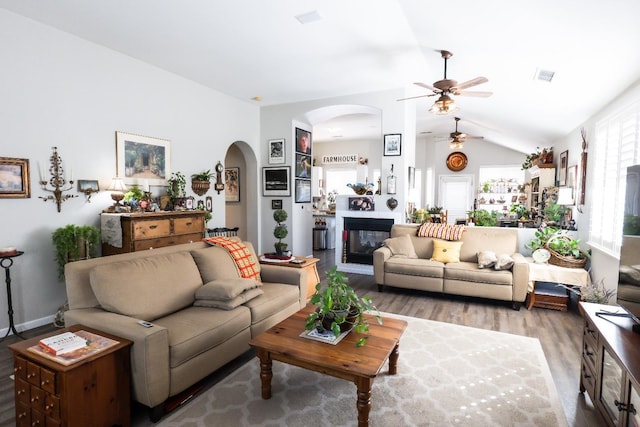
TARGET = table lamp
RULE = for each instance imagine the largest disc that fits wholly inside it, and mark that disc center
(117, 189)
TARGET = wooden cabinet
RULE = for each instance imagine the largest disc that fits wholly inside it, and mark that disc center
(94, 391)
(156, 230)
(610, 365)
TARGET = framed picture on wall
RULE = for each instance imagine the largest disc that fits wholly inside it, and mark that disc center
(232, 185)
(276, 151)
(142, 158)
(275, 181)
(276, 204)
(563, 168)
(303, 191)
(303, 141)
(392, 144)
(14, 178)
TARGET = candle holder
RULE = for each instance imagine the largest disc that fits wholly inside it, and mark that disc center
(57, 182)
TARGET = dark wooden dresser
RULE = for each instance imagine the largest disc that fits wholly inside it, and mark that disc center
(156, 230)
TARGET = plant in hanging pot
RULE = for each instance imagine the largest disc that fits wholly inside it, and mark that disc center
(339, 308)
(280, 231)
(201, 182)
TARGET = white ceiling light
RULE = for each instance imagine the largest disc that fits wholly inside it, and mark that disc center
(309, 17)
(544, 75)
(444, 105)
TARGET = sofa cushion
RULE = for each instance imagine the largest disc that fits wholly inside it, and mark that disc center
(487, 259)
(232, 303)
(194, 330)
(401, 246)
(242, 253)
(504, 262)
(441, 231)
(445, 251)
(147, 288)
(414, 267)
(215, 263)
(276, 296)
(226, 289)
(469, 272)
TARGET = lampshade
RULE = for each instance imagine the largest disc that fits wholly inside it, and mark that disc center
(455, 145)
(117, 185)
(565, 196)
(444, 105)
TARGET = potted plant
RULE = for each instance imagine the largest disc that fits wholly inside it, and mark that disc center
(339, 308)
(135, 194)
(74, 242)
(564, 250)
(201, 182)
(280, 231)
(554, 212)
(484, 218)
(177, 184)
(520, 210)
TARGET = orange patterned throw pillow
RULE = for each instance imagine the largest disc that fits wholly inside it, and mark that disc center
(441, 231)
(244, 259)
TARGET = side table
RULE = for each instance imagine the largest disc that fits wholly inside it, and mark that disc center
(309, 264)
(6, 261)
(549, 297)
(91, 391)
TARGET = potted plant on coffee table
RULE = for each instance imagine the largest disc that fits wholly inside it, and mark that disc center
(339, 308)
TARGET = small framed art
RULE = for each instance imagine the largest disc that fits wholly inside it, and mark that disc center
(275, 181)
(563, 168)
(303, 190)
(276, 204)
(276, 151)
(232, 185)
(14, 178)
(392, 144)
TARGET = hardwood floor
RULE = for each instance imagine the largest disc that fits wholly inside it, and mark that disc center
(560, 334)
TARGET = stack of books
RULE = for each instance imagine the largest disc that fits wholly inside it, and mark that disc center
(63, 343)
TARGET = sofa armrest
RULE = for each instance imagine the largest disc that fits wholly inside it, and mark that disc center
(520, 277)
(270, 273)
(380, 256)
(149, 353)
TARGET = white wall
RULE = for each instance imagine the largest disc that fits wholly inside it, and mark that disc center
(59, 90)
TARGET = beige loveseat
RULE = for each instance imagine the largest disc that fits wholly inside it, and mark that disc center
(164, 286)
(418, 271)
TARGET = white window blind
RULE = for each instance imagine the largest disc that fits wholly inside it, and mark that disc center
(616, 147)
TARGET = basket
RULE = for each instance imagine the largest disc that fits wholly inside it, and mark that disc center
(562, 260)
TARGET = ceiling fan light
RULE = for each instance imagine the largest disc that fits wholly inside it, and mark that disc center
(455, 145)
(444, 105)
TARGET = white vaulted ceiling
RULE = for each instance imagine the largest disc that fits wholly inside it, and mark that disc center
(257, 48)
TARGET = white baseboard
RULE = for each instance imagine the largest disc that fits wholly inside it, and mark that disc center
(32, 324)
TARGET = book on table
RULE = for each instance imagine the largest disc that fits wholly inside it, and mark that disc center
(93, 344)
(63, 343)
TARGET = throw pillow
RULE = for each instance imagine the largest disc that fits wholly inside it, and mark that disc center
(232, 303)
(242, 253)
(504, 262)
(487, 259)
(225, 290)
(445, 251)
(401, 246)
(441, 231)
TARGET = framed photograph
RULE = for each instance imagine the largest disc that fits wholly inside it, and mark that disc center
(276, 151)
(303, 191)
(562, 168)
(276, 204)
(232, 185)
(142, 159)
(303, 166)
(88, 185)
(188, 203)
(208, 202)
(275, 181)
(303, 141)
(361, 204)
(14, 178)
(392, 144)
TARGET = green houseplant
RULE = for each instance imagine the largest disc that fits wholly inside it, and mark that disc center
(177, 184)
(339, 308)
(484, 218)
(280, 231)
(134, 193)
(74, 242)
(554, 212)
(201, 182)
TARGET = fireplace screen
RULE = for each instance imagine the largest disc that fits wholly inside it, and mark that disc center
(363, 236)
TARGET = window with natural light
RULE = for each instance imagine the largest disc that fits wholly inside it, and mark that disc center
(616, 147)
(337, 179)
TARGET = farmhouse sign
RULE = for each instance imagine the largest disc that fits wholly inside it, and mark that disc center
(337, 159)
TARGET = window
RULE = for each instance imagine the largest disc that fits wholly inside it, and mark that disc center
(616, 147)
(337, 180)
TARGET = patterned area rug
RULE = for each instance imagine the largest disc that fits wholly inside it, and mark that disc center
(447, 375)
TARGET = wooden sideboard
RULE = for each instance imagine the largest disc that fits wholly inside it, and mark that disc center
(610, 371)
(156, 230)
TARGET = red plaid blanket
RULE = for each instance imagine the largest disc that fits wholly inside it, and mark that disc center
(247, 264)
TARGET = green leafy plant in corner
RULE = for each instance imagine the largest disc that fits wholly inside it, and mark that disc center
(554, 212)
(484, 218)
(339, 308)
(280, 231)
(73, 242)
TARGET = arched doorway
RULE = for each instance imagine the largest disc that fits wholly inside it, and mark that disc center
(241, 195)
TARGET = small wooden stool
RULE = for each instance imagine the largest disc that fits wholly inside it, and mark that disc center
(548, 295)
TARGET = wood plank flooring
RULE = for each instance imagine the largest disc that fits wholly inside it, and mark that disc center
(560, 334)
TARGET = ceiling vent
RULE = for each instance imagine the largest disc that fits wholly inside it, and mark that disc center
(309, 17)
(544, 75)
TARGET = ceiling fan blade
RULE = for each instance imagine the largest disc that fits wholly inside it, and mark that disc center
(414, 97)
(426, 86)
(474, 93)
(472, 82)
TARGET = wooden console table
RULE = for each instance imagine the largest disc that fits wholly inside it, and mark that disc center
(547, 298)
(309, 264)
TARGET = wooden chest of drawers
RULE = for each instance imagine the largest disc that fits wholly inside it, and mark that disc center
(156, 230)
(94, 391)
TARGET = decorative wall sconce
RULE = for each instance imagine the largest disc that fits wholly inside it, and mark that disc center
(88, 187)
(57, 181)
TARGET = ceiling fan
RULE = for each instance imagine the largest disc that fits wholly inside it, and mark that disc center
(446, 87)
(458, 138)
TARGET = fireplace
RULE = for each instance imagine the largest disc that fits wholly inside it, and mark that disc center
(362, 236)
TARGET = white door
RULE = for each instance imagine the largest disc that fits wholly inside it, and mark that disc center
(455, 195)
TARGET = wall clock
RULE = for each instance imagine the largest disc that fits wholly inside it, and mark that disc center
(457, 161)
(219, 186)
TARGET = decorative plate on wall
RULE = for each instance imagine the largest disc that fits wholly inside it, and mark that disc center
(457, 161)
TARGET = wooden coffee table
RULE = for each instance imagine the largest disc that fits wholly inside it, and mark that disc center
(344, 360)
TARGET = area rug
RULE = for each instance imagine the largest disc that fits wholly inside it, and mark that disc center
(447, 375)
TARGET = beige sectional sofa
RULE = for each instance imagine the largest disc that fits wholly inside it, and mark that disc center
(417, 271)
(190, 295)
